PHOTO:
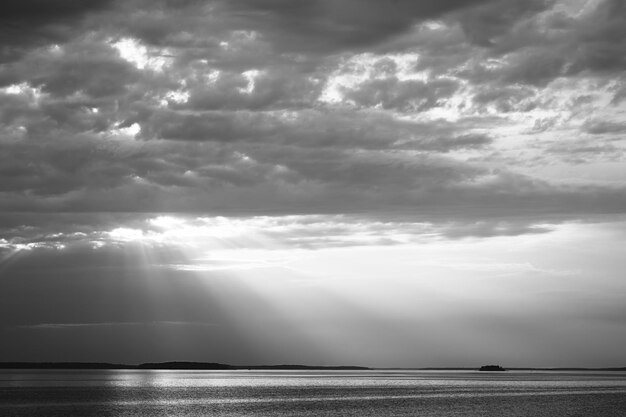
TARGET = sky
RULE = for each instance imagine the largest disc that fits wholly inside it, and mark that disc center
(359, 182)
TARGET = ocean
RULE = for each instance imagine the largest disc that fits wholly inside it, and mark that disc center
(134, 393)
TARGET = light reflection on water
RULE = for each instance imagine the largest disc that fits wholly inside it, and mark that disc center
(279, 393)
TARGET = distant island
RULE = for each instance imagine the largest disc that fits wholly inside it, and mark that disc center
(491, 368)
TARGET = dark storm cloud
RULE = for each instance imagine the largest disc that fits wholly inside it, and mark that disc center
(320, 26)
(598, 127)
(62, 166)
(536, 51)
(306, 128)
(602, 39)
(487, 22)
(284, 180)
(47, 10)
(82, 74)
(327, 25)
(86, 128)
(535, 68)
(25, 24)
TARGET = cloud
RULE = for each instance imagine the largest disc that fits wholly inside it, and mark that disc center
(416, 106)
(44, 10)
(189, 242)
(537, 42)
(602, 37)
(599, 127)
(33, 23)
(486, 23)
(325, 25)
(405, 96)
(494, 228)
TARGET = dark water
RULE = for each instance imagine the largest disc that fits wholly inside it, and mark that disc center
(311, 393)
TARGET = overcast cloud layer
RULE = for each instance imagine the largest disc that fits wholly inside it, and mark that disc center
(309, 123)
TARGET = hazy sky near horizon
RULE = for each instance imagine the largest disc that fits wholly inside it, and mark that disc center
(367, 182)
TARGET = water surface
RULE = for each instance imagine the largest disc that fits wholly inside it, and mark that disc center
(310, 393)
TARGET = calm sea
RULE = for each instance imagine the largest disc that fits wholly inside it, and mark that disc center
(311, 393)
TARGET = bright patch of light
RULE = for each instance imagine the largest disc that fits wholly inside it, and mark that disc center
(406, 68)
(243, 157)
(15, 89)
(207, 235)
(23, 89)
(124, 234)
(223, 227)
(97, 244)
(166, 222)
(434, 25)
(263, 232)
(211, 76)
(250, 76)
(288, 116)
(55, 49)
(129, 131)
(16, 247)
(211, 243)
(200, 233)
(178, 97)
(240, 259)
(137, 54)
(493, 64)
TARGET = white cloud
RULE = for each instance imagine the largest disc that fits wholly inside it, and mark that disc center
(133, 51)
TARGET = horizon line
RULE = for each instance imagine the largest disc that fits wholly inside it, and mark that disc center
(194, 365)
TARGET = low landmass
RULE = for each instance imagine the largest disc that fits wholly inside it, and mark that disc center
(186, 365)
(207, 366)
